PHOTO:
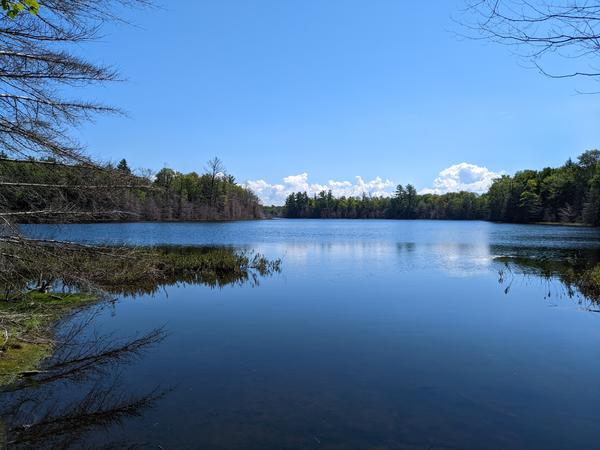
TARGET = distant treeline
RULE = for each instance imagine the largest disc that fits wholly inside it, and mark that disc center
(568, 194)
(48, 191)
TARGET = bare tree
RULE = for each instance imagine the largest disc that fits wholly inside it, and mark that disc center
(35, 62)
(215, 168)
(542, 29)
(38, 65)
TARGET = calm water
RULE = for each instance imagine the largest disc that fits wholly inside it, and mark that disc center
(376, 334)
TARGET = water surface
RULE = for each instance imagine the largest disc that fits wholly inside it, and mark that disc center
(377, 334)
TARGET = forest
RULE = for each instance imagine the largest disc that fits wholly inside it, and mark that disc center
(566, 194)
(45, 190)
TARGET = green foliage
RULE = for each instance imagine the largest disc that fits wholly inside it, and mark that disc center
(218, 197)
(405, 204)
(569, 194)
(123, 167)
(172, 195)
(14, 7)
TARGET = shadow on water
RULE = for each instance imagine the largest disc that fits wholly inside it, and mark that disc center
(135, 271)
(77, 394)
(563, 269)
(77, 390)
(571, 273)
(385, 339)
(212, 266)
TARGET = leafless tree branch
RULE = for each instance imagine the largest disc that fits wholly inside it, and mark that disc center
(541, 29)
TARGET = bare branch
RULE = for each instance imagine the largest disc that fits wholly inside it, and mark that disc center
(540, 29)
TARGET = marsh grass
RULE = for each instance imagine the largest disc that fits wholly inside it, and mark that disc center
(53, 284)
(575, 274)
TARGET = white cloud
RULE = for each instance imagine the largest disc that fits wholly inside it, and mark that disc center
(275, 194)
(459, 177)
(462, 177)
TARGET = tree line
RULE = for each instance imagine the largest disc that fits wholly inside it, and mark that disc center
(46, 190)
(569, 194)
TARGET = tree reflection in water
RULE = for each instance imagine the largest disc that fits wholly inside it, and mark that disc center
(77, 390)
(572, 273)
(49, 408)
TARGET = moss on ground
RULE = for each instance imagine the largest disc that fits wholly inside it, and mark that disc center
(26, 330)
(27, 320)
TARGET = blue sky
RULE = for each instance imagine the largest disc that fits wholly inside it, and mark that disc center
(332, 89)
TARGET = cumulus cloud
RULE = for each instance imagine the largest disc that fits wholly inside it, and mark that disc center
(462, 177)
(459, 177)
(275, 194)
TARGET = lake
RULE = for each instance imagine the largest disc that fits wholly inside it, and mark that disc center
(376, 334)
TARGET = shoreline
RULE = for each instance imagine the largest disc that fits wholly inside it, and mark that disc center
(216, 221)
(29, 337)
(29, 317)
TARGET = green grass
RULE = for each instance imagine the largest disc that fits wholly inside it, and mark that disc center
(20, 358)
(26, 330)
(29, 318)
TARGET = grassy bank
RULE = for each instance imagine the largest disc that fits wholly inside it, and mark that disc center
(26, 329)
(31, 306)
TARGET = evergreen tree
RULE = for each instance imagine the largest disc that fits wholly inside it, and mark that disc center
(123, 167)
